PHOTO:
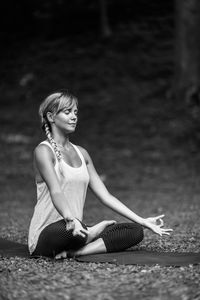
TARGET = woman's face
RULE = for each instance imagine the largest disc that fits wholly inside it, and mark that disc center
(66, 119)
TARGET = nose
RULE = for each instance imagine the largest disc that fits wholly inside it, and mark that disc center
(73, 116)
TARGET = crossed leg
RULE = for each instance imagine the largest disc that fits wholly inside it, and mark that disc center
(91, 246)
(117, 237)
(106, 236)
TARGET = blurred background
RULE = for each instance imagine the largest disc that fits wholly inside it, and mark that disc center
(134, 66)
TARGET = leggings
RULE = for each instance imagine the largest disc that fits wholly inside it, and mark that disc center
(117, 237)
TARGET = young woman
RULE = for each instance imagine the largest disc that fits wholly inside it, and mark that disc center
(63, 172)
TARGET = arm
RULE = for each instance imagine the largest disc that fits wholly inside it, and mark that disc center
(100, 190)
(44, 163)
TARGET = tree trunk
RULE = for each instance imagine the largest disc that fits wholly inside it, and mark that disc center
(187, 79)
(104, 24)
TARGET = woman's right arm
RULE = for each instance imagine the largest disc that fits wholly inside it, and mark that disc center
(44, 163)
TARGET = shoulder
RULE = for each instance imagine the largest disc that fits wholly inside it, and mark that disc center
(43, 152)
(85, 154)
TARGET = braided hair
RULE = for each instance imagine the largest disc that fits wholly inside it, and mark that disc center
(52, 141)
(55, 103)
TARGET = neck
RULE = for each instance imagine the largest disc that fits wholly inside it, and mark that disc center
(62, 141)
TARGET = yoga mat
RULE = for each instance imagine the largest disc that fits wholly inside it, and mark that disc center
(10, 249)
(129, 257)
(144, 257)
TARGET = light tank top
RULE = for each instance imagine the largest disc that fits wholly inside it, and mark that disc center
(74, 185)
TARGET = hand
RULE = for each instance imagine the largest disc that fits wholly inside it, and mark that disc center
(154, 220)
(70, 224)
(78, 229)
(152, 224)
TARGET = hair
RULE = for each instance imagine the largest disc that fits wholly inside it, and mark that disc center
(55, 103)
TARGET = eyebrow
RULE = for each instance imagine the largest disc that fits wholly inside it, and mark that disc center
(69, 108)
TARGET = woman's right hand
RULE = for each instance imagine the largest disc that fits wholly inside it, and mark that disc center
(79, 230)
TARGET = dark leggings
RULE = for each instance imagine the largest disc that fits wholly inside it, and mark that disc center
(117, 237)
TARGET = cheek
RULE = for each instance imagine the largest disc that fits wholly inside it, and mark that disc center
(62, 120)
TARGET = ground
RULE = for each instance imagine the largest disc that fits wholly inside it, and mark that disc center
(137, 135)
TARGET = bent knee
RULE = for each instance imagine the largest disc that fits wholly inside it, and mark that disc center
(140, 231)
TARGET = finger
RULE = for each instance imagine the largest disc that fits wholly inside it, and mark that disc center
(159, 217)
(69, 226)
(74, 233)
(84, 232)
(161, 222)
(78, 233)
(81, 232)
(166, 233)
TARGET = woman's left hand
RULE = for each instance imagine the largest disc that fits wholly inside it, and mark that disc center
(156, 225)
(156, 220)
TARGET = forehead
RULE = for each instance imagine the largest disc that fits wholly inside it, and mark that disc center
(73, 105)
(66, 103)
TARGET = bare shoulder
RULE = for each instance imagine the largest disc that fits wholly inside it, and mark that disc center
(43, 152)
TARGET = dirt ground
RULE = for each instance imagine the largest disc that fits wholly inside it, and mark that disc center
(139, 139)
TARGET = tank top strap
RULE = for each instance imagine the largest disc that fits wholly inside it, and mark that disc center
(79, 153)
(50, 146)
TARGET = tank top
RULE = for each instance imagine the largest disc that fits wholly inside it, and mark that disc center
(74, 182)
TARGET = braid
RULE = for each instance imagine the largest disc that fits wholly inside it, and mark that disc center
(51, 141)
(54, 104)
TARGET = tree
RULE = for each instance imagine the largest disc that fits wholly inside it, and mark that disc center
(187, 79)
(104, 24)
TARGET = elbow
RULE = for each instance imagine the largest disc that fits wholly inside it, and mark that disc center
(106, 199)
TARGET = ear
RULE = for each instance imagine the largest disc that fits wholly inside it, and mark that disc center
(50, 117)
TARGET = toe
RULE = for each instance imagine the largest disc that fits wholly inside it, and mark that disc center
(61, 255)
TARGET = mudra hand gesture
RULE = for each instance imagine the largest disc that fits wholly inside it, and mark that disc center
(156, 225)
(77, 228)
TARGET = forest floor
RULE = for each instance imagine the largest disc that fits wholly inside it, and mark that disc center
(139, 138)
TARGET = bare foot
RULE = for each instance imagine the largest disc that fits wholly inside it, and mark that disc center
(95, 230)
(61, 255)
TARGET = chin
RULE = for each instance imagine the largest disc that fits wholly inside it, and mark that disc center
(70, 130)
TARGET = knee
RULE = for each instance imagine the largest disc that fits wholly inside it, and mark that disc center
(140, 231)
(136, 234)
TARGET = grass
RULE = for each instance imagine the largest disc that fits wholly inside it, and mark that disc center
(136, 135)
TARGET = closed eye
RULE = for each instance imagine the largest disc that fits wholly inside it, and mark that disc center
(68, 111)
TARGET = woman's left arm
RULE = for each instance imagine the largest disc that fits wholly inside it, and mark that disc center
(100, 190)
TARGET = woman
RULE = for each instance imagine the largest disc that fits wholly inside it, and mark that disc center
(63, 172)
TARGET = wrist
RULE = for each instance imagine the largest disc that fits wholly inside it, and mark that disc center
(144, 223)
(70, 224)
